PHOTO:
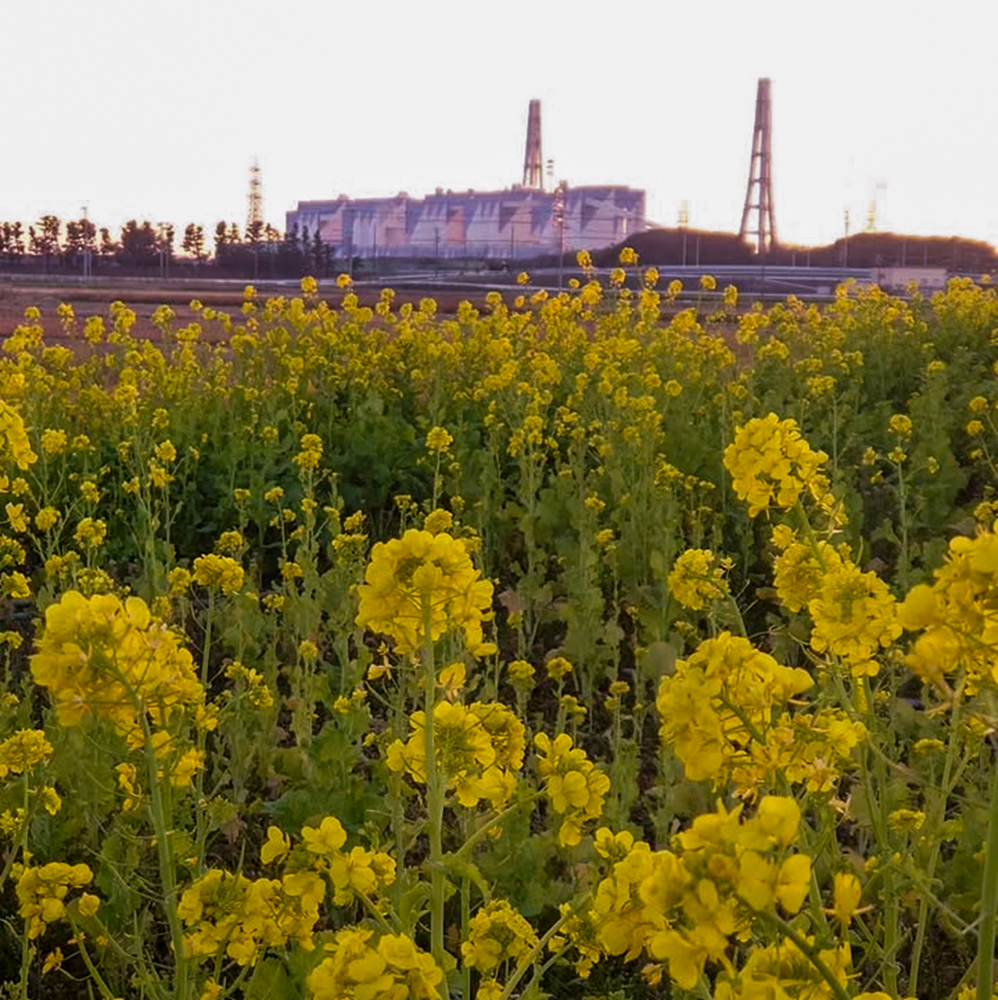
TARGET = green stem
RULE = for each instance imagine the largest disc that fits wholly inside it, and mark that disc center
(377, 914)
(812, 538)
(22, 834)
(936, 817)
(903, 555)
(201, 831)
(27, 957)
(167, 871)
(465, 934)
(528, 960)
(989, 898)
(434, 801)
(891, 896)
(736, 613)
(494, 821)
(105, 990)
(809, 951)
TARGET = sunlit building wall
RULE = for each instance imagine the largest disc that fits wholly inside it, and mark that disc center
(518, 223)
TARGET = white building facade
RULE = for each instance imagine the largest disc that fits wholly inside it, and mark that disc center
(500, 225)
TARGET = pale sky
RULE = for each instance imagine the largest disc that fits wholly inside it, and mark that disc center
(154, 109)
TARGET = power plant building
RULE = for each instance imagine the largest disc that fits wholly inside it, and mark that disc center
(523, 221)
(516, 223)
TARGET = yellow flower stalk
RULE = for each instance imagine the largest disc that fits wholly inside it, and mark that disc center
(418, 572)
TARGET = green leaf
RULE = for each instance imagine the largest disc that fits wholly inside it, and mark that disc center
(270, 981)
(458, 869)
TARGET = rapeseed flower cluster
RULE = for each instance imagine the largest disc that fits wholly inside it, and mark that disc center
(575, 787)
(696, 581)
(496, 934)
(773, 466)
(721, 698)
(726, 712)
(479, 748)
(357, 871)
(800, 568)
(422, 574)
(783, 970)
(239, 916)
(23, 750)
(251, 683)
(682, 907)
(310, 455)
(854, 612)
(101, 657)
(42, 892)
(854, 615)
(222, 572)
(956, 615)
(394, 968)
(15, 446)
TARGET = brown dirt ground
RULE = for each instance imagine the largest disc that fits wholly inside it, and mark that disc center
(92, 301)
(14, 299)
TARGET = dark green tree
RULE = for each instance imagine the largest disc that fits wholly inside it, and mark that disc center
(289, 253)
(139, 243)
(44, 238)
(15, 246)
(164, 240)
(108, 248)
(193, 243)
(73, 246)
(318, 254)
(254, 233)
(221, 242)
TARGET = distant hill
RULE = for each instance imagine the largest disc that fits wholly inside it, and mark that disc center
(678, 246)
(703, 247)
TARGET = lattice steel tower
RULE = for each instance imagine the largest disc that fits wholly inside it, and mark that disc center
(759, 194)
(254, 217)
(533, 172)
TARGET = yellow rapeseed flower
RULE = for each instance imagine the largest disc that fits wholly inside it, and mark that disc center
(327, 838)
(420, 578)
(846, 893)
(772, 465)
(219, 571)
(438, 440)
(99, 655)
(695, 581)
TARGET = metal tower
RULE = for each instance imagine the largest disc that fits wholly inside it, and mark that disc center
(759, 194)
(533, 164)
(254, 217)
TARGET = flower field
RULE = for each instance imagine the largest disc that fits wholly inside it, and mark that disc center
(553, 649)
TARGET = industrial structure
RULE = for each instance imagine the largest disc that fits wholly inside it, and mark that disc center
(759, 193)
(254, 214)
(533, 162)
(522, 221)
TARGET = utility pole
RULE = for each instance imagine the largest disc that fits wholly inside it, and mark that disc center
(164, 260)
(559, 213)
(683, 222)
(86, 246)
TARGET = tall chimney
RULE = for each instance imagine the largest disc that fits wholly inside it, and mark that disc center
(533, 173)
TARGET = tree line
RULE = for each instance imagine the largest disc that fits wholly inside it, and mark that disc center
(78, 245)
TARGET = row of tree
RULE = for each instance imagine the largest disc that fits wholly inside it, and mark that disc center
(79, 245)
